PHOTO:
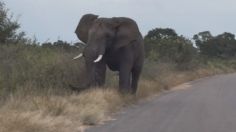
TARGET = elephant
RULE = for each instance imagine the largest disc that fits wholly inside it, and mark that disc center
(115, 43)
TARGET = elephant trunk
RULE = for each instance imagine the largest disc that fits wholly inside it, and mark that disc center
(93, 59)
(100, 53)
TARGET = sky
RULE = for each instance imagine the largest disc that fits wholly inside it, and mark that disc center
(50, 20)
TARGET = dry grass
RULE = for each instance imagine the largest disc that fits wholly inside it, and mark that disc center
(168, 77)
(58, 113)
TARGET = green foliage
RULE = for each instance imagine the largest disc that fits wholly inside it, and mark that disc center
(166, 45)
(222, 46)
(9, 28)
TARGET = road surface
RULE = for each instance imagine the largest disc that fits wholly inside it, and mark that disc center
(205, 105)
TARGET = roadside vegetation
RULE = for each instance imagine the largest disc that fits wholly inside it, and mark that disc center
(34, 77)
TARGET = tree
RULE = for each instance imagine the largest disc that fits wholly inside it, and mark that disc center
(202, 37)
(161, 33)
(226, 36)
(166, 45)
(9, 27)
(222, 45)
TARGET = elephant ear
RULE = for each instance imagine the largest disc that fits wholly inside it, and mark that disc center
(84, 25)
(126, 31)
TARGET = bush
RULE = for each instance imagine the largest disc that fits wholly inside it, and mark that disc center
(36, 67)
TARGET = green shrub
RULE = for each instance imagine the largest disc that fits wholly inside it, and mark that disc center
(37, 67)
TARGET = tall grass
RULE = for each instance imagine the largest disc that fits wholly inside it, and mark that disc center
(35, 97)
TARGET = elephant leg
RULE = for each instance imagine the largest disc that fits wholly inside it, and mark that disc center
(124, 79)
(135, 78)
(100, 74)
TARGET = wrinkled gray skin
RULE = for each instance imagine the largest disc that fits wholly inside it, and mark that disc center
(120, 42)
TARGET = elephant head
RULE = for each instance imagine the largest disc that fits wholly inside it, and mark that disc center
(103, 35)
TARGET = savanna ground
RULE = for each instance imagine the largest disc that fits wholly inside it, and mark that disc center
(35, 97)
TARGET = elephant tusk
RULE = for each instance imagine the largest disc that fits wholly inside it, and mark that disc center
(77, 57)
(98, 59)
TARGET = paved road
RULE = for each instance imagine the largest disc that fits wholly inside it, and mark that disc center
(208, 105)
